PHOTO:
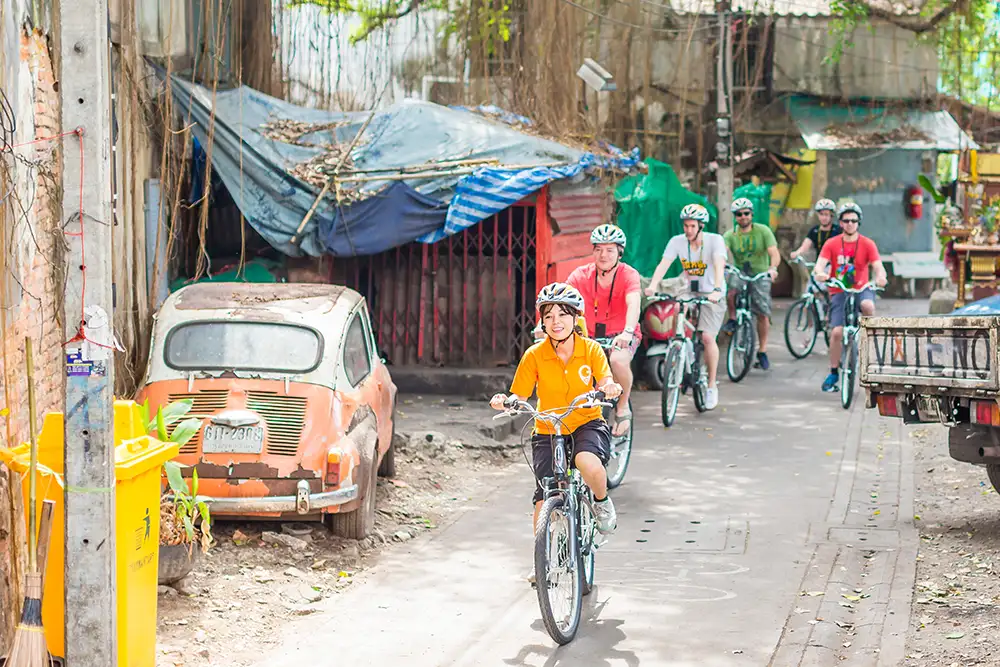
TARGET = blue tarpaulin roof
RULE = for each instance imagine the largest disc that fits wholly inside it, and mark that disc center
(255, 169)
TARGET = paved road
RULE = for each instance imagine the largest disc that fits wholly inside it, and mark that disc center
(741, 531)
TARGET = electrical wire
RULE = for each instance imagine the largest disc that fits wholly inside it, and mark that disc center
(8, 124)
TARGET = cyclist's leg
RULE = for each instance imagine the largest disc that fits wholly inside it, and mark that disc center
(541, 455)
(837, 317)
(709, 323)
(760, 298)
(591, 451)
(621, 369)
(867, 302)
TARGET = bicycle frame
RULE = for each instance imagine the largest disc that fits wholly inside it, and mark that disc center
(565, 480)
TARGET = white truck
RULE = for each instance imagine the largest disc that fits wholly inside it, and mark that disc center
(940, 369)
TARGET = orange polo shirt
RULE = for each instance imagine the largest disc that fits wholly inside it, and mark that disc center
(558, 384)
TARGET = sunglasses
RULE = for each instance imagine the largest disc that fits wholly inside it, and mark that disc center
(743, 214)
(845, 220)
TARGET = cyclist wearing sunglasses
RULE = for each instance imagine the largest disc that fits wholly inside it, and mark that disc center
(754, 250)
(847, 257)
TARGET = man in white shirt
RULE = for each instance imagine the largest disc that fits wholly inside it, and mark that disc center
(703, 256)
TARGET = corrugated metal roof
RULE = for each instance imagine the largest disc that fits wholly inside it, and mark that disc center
(840, 127)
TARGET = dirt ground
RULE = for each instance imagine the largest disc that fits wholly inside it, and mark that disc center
(228, 609)
(955, 620)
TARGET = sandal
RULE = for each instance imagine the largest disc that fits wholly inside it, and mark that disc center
(619, 420)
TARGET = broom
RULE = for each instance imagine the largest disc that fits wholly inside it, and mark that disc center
(28, 649)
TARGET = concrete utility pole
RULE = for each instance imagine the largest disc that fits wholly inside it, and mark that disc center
(724, 119)
(84, 86)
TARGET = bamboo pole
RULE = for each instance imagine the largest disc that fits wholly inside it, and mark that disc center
(296, 238)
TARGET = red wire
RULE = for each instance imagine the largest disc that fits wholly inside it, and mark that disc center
(80, 335)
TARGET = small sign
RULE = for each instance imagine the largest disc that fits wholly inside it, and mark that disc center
(76, 366)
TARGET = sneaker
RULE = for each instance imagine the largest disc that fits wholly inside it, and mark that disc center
(830, 383)
(762, 361)
(729, 327)
(531, 579)
(711, 397)
(605, 516)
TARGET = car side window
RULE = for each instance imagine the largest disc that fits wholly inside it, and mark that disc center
(357, 354)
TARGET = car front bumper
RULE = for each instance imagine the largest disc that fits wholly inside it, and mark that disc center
(303, 502)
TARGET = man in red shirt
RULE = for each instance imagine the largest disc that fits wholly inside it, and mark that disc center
(847, 257)
(612, 298)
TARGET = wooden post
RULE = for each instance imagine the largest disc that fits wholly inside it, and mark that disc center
(84, 88)
(724, 119)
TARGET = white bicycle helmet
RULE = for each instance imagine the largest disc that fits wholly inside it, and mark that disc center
(852, 207)
(695, 212)
(608, 234)
(825, 205)
(741, 204)
(560, 293)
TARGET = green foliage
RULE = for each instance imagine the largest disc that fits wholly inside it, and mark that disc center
(926, 184)
(476, 19)
(967, 42)
(848, 14)
(374, 14)
(192, 514)
(969, 54)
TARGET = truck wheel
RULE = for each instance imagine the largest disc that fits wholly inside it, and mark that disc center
(357, 525)
(993, 472)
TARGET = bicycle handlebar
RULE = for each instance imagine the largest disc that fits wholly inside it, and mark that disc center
(700, 300)
(589, 400)
(839, 284)
(803, 262)
(732, 269)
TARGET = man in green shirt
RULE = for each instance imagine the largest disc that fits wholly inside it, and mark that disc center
(754, 250)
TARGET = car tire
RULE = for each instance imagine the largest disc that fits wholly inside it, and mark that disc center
(388, 466)
(357, 525)
(993, 472)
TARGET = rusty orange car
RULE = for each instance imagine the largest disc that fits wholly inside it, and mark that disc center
(297, 407)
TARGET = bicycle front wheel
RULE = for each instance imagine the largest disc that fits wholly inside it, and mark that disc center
(558, 572)
(849, 369)
(801, 328)
(740, 354)
(673, 377)
(621, 450)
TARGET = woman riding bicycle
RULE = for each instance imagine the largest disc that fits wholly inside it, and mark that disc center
(564, 365)
(849, 256)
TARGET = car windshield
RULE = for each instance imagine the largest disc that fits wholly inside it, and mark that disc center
(260, 346)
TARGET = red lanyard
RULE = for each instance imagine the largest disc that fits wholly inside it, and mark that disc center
(610, 292)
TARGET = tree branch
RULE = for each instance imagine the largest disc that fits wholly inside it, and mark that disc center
(914, 23)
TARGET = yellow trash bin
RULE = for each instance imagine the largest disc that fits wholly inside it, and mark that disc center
(138, 460)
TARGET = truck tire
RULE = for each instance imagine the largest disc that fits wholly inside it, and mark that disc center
(357, 525)
(993, 472)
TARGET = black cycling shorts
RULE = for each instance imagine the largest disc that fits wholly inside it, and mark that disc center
(593, 437)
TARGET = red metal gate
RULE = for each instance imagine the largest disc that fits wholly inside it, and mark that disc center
(465, 301)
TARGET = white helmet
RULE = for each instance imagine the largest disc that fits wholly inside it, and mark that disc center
(695, 212)
(560, 293)
(852, 207)
(741, 204)
(825, 205)
(608, 234)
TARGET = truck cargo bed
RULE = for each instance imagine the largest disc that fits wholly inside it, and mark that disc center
(954, 355)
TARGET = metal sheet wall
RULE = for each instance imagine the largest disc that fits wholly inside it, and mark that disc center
(877, 180)
(466, 301)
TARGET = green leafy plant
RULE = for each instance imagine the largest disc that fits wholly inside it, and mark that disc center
(926, 184)
(184, 519)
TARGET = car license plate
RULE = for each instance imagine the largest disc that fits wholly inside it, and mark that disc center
(929, 408)
(229, 440)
